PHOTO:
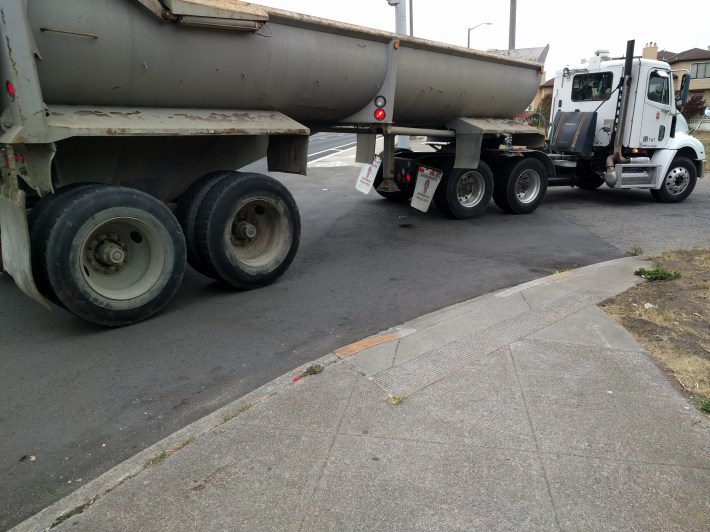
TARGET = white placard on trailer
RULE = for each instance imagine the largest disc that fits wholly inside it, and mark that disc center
(427, 181)
(367, 175)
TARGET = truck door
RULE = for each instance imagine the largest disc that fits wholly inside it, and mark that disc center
(658, 110)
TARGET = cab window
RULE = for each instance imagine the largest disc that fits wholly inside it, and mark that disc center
(659, 87)
(592, 87)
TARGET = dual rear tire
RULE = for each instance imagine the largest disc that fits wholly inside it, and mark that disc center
(518, 188)
(243, 229)
(110, 255)
(115, 256)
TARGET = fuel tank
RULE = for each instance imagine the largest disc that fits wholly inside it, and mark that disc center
(145, 53)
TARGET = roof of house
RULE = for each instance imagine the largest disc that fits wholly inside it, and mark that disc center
(694, 54)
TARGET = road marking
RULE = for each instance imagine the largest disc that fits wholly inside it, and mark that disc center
(336, 150)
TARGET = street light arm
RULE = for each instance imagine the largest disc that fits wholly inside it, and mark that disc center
(473, 28)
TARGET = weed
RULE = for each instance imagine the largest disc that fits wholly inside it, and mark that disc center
(244, 408)
(395, 399)
(634, 252)
(703, 405)
(659, 273)
(71, 513)
(313, 369)
(167, 452)
(157, 459)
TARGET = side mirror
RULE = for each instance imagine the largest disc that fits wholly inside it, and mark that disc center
(682, 97)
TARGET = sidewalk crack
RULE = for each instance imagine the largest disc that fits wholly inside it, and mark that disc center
(538, 452)
(310, 490)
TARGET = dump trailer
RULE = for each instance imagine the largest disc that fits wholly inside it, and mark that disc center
(618, 122)
(124, 124)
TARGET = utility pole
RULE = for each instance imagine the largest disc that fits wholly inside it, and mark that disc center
(511, 31)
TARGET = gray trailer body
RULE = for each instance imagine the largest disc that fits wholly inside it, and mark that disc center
(151, 95)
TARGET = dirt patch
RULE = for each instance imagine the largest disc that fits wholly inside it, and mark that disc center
(671, 319)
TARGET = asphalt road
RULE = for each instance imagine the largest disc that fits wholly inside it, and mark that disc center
(80, 399)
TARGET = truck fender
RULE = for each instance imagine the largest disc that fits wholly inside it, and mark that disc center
(681, 144)
(663, 158)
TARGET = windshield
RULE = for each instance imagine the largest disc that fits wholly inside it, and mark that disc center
(592, 87)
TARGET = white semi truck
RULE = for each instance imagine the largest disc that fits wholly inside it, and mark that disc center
(612, 121)
(123, 122)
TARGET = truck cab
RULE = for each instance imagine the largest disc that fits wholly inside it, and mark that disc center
(617, 122)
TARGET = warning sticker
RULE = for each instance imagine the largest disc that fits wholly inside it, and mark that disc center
(427, 181)
(367, 175)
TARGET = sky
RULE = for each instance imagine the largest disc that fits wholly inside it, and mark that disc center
(572, 29)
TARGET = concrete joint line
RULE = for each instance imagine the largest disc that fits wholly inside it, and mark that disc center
(429, 367)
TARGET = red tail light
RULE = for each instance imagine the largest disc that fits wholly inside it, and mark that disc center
(380, 115)
(10, 89)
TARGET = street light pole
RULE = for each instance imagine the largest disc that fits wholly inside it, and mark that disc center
(411, 18)
(471, 29)
(511, 31)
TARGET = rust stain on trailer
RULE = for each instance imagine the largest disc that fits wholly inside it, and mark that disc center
(118, 113)
(93, 113)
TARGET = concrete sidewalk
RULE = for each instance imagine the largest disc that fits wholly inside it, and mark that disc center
(525, 409)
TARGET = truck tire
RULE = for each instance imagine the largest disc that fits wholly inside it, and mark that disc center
(186, 214)
(678, 183)
(520, 186)
(465, 194)
(114, 256)
(248, 229)
(39, 221)
(588, 180)
(397, 195)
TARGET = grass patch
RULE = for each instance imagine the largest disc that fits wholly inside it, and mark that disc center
(634, 252)
(672, 320)
(659, 273)
(395, 399)
(703, 405)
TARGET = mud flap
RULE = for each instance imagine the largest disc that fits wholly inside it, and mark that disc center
(16, 242)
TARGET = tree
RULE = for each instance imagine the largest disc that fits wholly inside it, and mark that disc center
(695, 106)
(545, 106)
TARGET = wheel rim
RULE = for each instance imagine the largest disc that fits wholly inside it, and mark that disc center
(122, 258)
(258, 233)
(470, 189)
(677, 180)
(527, 186)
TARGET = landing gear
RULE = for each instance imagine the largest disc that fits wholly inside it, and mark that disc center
(394, 195)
